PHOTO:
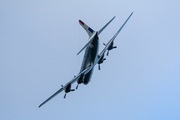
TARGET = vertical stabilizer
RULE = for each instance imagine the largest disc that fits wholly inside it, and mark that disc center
(87, 28)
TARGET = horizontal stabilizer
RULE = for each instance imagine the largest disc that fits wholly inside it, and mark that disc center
(90, 40)
(105, 25)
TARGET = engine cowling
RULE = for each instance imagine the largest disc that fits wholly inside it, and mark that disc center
(101, 61)
(68, 89)
(80, 80)
(111, 47)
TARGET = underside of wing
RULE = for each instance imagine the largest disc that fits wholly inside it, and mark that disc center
(109, 45)
(60, 90)
(67, 87)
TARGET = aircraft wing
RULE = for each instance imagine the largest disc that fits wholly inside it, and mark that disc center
(112, 39)
(70, 82)
(90, 40)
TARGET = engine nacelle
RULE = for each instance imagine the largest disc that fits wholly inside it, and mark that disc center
(81, 79)
(111, 46)
(68, 88)
(101, 59)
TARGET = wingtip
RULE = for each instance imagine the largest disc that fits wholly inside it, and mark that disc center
(81, 22)
(113, 17)
(39, 106)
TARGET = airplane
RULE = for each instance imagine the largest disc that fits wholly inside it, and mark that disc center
(91, 58)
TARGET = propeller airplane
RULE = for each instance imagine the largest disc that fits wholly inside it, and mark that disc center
(91, 58)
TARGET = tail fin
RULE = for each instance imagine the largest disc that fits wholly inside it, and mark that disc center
(105, 26)
(87, 28)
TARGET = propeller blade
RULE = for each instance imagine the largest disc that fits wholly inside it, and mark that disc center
(65, 96)
(99, 67)
(73, 90)
(77, 86)
(107, 52)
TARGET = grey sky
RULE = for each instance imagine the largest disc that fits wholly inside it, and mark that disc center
(139, 80)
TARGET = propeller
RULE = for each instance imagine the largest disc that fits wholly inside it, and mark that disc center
(107, 53)
(68, 89)
(77, 86)
(73, 90)
(99, 66)
(80, 80)
(65, 96)
(110, 49)
(100, 62)
(67, 92)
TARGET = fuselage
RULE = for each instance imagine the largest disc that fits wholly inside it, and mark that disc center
(90, 57)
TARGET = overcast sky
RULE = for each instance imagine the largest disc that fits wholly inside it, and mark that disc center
(39, 40)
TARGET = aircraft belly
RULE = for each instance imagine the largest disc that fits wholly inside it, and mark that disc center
(90, 54)
(89, 58)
